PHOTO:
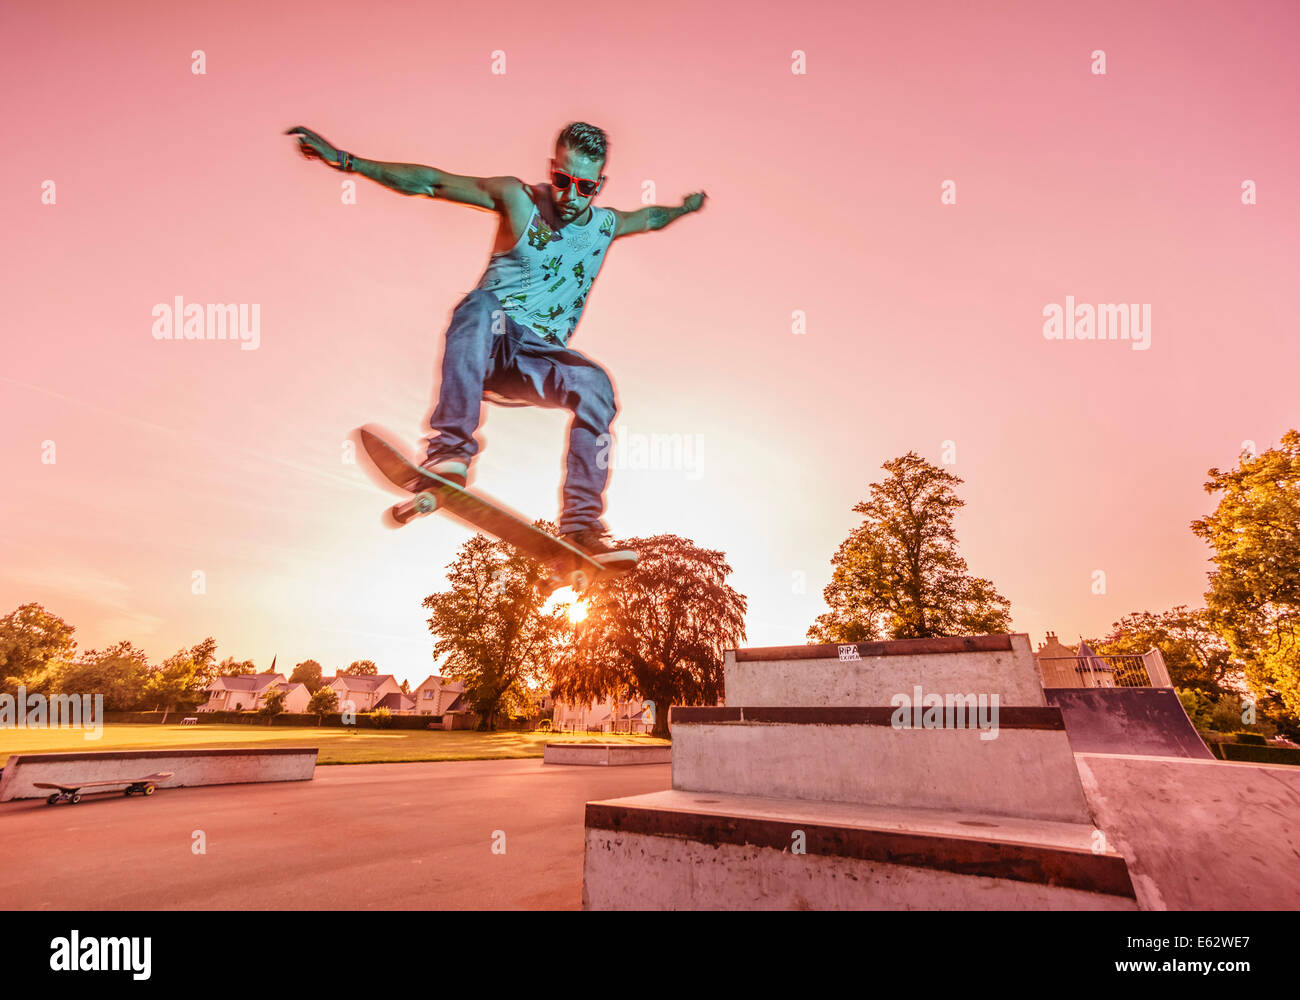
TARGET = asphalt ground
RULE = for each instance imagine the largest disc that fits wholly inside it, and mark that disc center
(504, 834)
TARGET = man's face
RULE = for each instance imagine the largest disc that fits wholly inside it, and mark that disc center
(569, 203)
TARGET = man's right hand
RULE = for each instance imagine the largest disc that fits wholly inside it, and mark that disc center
(313, 147)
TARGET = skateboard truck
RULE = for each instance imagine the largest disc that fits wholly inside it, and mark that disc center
(421, 505)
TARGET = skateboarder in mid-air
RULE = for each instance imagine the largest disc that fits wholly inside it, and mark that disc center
(508, 338)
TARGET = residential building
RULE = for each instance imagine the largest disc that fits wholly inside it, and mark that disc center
(361, 692)
(438, 696)
(247, 693)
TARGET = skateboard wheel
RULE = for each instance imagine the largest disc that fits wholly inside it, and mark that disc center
(128, 792)
(148, 789)
(75, 798)
(426, 503)
(579, 581)
(52, 799)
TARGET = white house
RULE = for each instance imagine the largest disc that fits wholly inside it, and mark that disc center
(437, 696)
(363, 691)
(247, 693)
(609, 716)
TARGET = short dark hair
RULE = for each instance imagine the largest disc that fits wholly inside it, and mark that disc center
(585, 139)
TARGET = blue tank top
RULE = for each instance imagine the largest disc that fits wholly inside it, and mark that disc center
(544, 279)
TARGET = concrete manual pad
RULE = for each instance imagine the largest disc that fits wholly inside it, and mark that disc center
(607, 754)
(690, 850)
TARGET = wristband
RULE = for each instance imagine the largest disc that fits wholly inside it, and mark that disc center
(345, 162)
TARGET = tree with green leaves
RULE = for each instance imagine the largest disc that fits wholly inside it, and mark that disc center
(182, 680)
(656, 634)
(1254, 595)
(309, 674)
(324, 701)
(898, 574)
(1198, 657)
(120, 673)
(35, 645)
(491, 625)
(361, 668)
(272, 704)
(230, 667)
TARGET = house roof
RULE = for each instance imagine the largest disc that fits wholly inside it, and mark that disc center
(245, 682)
(362, 682)
(289, 687)
(396, 702)
(433, 680)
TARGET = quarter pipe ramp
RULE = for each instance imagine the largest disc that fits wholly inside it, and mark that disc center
(1128, 720)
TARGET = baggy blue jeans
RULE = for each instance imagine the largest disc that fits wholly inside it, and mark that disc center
(514, 363)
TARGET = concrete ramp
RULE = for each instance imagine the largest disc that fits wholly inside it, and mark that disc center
(1200, 835)
(1149, 722)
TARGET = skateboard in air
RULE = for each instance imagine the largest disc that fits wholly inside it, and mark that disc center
(72, 793)
(568, 565)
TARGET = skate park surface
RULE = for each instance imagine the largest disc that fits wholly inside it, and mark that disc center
(1200, 834)
(356, 837)
(1195, 833)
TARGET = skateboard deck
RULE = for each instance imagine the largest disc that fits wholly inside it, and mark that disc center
(71, 793)
(569, 566)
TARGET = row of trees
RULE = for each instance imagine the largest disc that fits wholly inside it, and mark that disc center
(38, 652)
(659, 633)
(899, 576)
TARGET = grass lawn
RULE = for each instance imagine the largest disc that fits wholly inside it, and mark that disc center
(337, 745)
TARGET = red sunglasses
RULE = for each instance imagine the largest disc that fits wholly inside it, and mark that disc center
(561, 181)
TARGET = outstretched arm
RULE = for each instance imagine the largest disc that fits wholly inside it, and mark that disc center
(409, 178)
(652, 217)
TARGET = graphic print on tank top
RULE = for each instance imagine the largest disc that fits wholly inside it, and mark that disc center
(544, 279)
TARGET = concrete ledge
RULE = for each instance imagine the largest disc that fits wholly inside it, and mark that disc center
(1027, 772)
(678, 850)
(606, 754)
(872, 673)
(188, 767)
(897, 647)
(1013, 717)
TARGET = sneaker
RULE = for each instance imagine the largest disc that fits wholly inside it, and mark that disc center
(454, 470)
(596, 543)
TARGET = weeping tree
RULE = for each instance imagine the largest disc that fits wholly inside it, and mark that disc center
(898, 575)
(1254, 595)
(492, 626)
(656, 634)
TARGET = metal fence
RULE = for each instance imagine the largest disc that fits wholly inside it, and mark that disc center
(1106, 670)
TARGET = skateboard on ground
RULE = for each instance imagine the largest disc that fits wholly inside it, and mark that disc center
(72, 793)
(568, 565)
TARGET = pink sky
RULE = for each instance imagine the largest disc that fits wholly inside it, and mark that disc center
(924, 320)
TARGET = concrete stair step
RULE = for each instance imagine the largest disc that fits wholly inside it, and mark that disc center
(871, 673)
(857, 755)
(690, 850)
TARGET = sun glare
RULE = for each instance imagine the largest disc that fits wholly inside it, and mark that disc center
(577, 612)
